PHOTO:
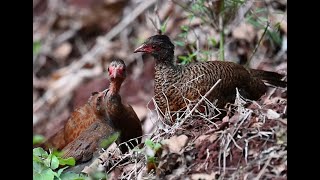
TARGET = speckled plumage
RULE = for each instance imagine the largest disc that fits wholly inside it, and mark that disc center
(176, 83)
(83, 147)
(81, 118)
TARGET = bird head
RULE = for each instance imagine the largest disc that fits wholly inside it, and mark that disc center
(159, 46)
(117, 70)
(96, 101)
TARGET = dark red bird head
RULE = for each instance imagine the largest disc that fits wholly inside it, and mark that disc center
(159, 46)
(117, 70)
(96, 101)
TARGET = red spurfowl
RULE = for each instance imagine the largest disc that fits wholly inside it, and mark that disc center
(102, 115)
(115, 117)
(80, 120)
(123, 117)
(176, 83)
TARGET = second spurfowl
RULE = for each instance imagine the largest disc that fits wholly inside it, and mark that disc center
(81, 118)
(176, 84)
(123, 117)
(102, 107)
(114, 116)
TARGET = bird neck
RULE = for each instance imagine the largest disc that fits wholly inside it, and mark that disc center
(114, 87)
(115, 109)
(165, 59)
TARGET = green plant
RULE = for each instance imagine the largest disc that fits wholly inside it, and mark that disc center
(259, 21)
(37, 139)
(163, 27)
(108, 141)
(47, 166)
(187, 59)
(152, 145)
(36, 47)
(151, 155)
(217, 14)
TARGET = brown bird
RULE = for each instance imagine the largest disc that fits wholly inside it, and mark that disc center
(115, 117)
(89, 141)
(176, 83)
(101, 105)
(80, 120)
(123, 117)
(111, 116)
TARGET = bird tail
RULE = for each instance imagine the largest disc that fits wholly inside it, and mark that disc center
(270, 77)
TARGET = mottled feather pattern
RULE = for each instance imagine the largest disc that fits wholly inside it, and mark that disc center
(178, 85)
(80, 119)
(88, 141)
(197, 78)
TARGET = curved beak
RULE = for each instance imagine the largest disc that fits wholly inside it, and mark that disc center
(143, 48)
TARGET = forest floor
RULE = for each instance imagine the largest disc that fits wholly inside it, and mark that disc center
(74, 41)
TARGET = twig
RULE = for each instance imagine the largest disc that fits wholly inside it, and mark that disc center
(103, 43)
(129, 19)
(221, 29)
(199, 102)
(263, 168)
(99, 48)
(235, 143)
(257, 46)
(241, 14)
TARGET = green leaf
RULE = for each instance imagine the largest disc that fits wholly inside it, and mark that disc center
(40, 152)
(183, 58)
(157, 146)
(72, 176)
(254, 23)
(277, 26)
(179, 43)
(108, 141)
(183, 35)
(263, 19)
(259, 10)
(46, 174)
(37, 159)
(149, 143)
(36, 47)
(61, 170)
(191, 17)
(163, 27)
(37, 139)
(52, 161)
(57, 153)
(184, 28)
(99, 175)
(213, 41)
(151, 159)
(192, 55)
(38, 167)
(275, 36)
(198, 6)
(68, 161)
